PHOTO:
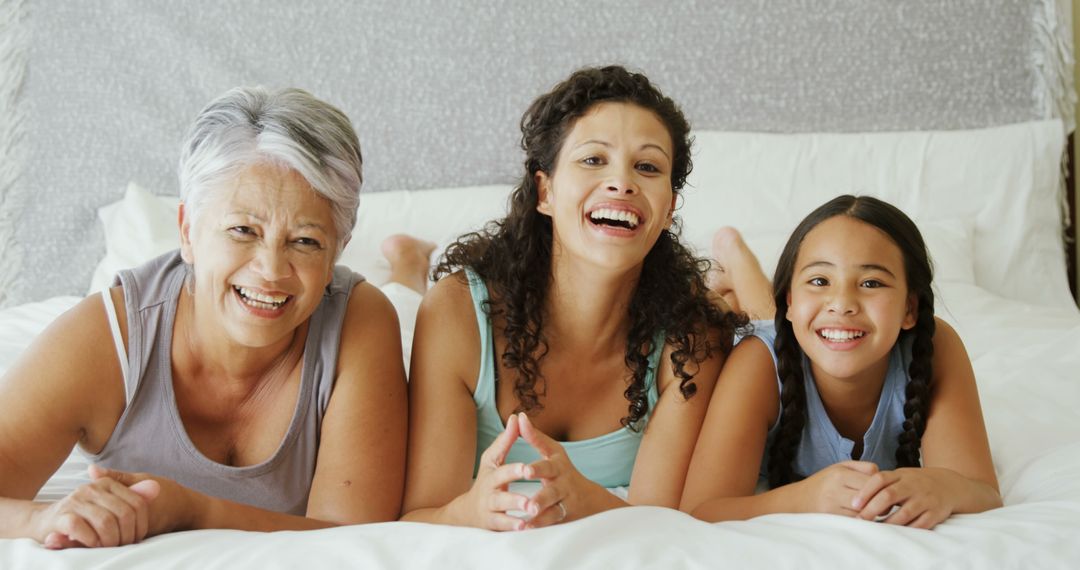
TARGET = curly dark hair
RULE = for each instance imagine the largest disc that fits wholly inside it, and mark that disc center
(919, 271)
(513, 255)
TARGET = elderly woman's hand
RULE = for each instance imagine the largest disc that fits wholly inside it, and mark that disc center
(173, 507)
(104, 512)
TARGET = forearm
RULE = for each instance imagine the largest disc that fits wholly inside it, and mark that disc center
(779, 500)
(600, 499)
(214, 513)
(969, 495)
(17, 518)
(434, 515)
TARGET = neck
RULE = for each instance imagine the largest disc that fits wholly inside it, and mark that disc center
(587, 306)
(233, 365)
(852, 402)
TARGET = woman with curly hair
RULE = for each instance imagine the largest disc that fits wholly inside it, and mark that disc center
(578, 322)
(861, 401)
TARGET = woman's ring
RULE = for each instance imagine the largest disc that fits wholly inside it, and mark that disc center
(562, 511)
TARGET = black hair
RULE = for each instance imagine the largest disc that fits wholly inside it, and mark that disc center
(513, 255)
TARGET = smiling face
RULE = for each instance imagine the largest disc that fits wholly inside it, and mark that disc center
(610, 194)
(849, 299)
(262, 252)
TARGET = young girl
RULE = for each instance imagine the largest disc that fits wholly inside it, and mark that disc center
(578, 322)
(853, 384)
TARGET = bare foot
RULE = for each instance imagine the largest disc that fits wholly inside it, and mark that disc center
(737, 275)
(409, 259)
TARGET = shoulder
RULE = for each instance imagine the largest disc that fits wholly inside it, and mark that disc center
(749, 380)
(716, 342)
(751, 361)
(74, 361)
(368, 309)
(450, 298)
(950, 361)
(945, 336)
(447, 338)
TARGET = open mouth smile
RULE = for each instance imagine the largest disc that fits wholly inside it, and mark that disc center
(260, 301)
(619, 219)
(841, 338)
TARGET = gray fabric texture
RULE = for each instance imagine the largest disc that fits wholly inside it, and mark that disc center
(436, 90)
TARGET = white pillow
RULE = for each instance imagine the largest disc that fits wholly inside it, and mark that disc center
(1004, 180)
(138, 228)
(439, 216)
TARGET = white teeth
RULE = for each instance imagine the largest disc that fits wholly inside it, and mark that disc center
(840, 335)
(615, 215)
(256, 299)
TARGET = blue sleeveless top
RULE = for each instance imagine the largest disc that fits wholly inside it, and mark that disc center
(821, 444)
(607, 460)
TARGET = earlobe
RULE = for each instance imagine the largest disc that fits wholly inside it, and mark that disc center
(543, 194)
(671, 212)
(185, 239)
(787, 313)
(912, 315)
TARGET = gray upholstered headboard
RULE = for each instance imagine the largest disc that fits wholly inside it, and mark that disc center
(436, 89)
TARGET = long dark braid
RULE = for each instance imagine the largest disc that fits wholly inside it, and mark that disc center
(919, 274)
(792, 401)
(513, 255)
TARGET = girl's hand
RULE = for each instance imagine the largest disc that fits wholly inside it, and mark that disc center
(562, 496)
(833, 490)
(487, 501)
(923, 494)
(104, 512)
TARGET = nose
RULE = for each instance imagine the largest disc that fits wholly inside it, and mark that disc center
(271, 264)
(621, 181)
(843, 301)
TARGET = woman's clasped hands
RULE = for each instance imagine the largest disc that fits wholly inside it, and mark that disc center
(490, 501)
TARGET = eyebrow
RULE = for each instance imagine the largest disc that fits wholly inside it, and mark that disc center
(304, 224)
(869, 266)
(607, 144)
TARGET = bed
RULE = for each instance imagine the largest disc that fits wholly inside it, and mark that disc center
(972, 151)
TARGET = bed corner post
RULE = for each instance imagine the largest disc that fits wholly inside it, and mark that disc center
(1070, 229)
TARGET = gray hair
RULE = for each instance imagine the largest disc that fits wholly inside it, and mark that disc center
(288, 127)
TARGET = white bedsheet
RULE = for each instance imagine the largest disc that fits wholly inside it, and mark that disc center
(1026, 359)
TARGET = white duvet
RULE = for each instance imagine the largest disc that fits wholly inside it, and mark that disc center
(1027, 362)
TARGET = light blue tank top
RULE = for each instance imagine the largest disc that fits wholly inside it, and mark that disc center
(607, 460)
(821, 444)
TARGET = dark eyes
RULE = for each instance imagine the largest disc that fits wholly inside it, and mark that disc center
(646, 167)
(245, 231)
(248, 233)
(867, 283)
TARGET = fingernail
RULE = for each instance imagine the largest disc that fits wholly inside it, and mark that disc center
(533, 509)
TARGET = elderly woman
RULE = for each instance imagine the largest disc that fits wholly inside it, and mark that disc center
(248, 383)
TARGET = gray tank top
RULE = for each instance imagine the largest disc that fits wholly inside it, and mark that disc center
(150, 437)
